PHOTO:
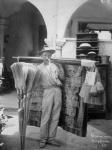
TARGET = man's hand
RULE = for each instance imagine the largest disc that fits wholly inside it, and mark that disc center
(58, 82)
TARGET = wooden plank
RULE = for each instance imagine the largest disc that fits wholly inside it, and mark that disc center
(69, 61)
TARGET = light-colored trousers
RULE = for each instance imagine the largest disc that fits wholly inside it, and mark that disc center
(51, 106)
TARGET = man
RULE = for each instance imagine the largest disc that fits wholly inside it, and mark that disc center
(52, 98)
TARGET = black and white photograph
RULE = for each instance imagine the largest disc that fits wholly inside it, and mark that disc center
(55, 74)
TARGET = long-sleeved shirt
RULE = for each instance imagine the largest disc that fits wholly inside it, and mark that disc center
(48, 75)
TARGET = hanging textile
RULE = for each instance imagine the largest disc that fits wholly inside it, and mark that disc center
(93, 93)
(73, 117)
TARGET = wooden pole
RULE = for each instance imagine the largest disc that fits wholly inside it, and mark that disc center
(68, 61)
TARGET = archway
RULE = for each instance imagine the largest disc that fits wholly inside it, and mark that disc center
(24, 35)
(90, 11)
(25, 32)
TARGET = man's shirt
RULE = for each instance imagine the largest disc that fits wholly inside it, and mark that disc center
(48, 75)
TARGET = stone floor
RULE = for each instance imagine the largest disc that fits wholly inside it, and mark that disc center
(99, 132)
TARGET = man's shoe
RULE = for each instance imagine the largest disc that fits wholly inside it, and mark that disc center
(53, 143)
(42, 144)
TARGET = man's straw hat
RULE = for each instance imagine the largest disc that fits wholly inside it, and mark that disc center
(47, 49)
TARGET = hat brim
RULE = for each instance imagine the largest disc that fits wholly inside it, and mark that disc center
(50, 51)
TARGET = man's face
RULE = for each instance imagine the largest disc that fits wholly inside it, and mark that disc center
(46, 55)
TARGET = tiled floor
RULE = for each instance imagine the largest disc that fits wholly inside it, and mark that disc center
(99, 132)
(9, 100)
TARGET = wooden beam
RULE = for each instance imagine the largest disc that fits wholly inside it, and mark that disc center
(69, 61)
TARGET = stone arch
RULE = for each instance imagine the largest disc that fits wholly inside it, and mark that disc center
(24, 35)
(28, 20)
(92, 11)
(25, 32)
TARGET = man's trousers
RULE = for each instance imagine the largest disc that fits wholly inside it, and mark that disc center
(51, 106)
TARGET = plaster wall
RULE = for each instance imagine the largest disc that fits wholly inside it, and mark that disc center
(56, 14)
(90, 11)
(62, 16)
(23, 33)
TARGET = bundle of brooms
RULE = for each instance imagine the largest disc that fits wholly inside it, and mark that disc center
(24, 75)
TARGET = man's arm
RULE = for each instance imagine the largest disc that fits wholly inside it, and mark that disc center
(58, 74)
(61, 73)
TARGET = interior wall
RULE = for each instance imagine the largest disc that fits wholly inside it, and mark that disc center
(90, 11)
(23, 33)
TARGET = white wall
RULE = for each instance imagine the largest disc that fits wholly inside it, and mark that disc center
(56, 14)
(90, 11)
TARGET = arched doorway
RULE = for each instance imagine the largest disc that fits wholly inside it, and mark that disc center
(24, 35)
(90, 11)
(26, 32)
